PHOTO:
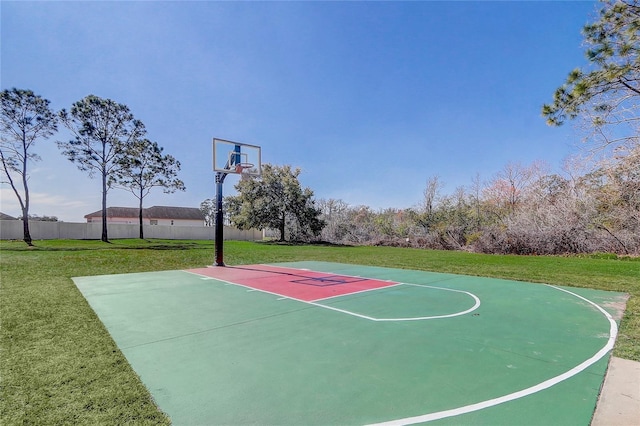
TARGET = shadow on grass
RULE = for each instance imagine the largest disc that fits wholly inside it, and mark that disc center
(115, 244)
(301, 243)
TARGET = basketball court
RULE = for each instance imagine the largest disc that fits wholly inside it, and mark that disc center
(320, 343)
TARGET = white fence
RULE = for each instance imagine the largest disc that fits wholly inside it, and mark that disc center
(13, 230)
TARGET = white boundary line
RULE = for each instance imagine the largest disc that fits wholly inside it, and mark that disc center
(360, 291)
(280, 296)
(344, 311)
(613, 331)
(338, 274)
(455, 314)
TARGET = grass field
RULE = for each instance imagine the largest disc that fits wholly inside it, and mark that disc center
(59, 365)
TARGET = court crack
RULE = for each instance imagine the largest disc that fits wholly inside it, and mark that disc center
(221, 327)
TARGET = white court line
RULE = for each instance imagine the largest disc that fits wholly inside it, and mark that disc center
(613, 331)
(355, 314)
(455, 314)
(338, 274)
(343, 311)
(360, 291)
(281, 297)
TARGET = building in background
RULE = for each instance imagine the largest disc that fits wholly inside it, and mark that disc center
(156, 215)
(4, 216)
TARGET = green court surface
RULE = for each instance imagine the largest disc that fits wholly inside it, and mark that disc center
(429, 347)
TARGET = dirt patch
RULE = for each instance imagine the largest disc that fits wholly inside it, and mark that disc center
(617, 306)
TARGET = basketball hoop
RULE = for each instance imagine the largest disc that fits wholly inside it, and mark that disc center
(242, 166)
(236, 158)
(231, 158)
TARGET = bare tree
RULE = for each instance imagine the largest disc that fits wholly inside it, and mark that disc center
(476, 191)
(508, 186)
(335, 214)
(25, 118)
(208, 209)
(431, 194)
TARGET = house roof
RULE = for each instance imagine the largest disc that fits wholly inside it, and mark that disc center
(4, 216)
(166, 212)
(117, 212)
(155, 212)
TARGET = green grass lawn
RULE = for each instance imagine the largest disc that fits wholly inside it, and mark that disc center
(58, 364)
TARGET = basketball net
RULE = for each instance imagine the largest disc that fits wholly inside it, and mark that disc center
(240, 167)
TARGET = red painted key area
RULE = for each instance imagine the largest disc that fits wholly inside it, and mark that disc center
(293, 283)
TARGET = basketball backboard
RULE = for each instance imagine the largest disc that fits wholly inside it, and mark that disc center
(236, 158)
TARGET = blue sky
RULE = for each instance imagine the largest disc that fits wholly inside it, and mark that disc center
(369, 99)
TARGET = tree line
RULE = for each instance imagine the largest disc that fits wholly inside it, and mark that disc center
(107, 141)
(593, 206)
(521, 210)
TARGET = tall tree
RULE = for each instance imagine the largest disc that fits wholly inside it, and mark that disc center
(102, 130)
(606, 93)
(208, 209)
(508, 186)
(334, 213)
(278, 201)
(144, 167)
(431, 197)
(25, 118)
